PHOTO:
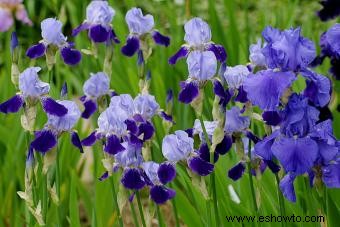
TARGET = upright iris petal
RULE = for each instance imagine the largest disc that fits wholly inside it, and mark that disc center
(235, 76)
(265, 88)
(197, 32)
(51, 31)
(30, 85)
(178, 146)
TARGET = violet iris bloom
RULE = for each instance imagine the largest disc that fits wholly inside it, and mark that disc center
(330, 10)
(198, 37)
(32, 90)
(99, 15)
(140, 26)
(51, 32)
(7, 9)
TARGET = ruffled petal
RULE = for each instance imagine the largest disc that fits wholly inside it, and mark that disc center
(200, 167)
(189, 91)
(160, 194)
(90, 108)
(99, 34)
(76, 141)
(160, 39)
(52, 107)
(12, 105)
(131, 46)
(113, 145)
(166, 172)
(44, 141)
(132, 179)
(70, 56)
(36, 51)
(237, 171)
(181, 53)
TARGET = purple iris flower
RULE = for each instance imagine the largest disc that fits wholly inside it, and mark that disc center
(287, 49)
(330, 10)
(202, 66)
(235, 122)
(256, 56)
(180, 147)
(198, 37)
(94, 88)
(46, 139)
(99, 15)
(158, 175)
(51, 32)
(139, 26)
(32, 89)
(7, 9)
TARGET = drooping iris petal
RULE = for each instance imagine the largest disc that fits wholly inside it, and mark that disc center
(113, 145)
(331, 175)
(12, 105)
(44, 141)
(99, 33)
(90, 108)
(224, 95)
(181, 53)
(70, 56)
(147, 130)
(160, 194)
(131, 126)
(330, 10)
(271, 118)
(90, 140)
(272, 166)
(225, 145)
(242, 95)
(131, 46)
(166, 172)
(76, 141)
(200, 166)
(202, 65)
(52, 107)
(189, 91)
(318, 88)
(236, 172)
(251, 136)
(266, 87)
(296, 155)
(82, 27)
(264, 147)
(329, 42)
(160, 39)
(104, 176)
(235, 122)
(328, 152)
(36, 51)
(132, 179)
(204, 153)
(219, 51)
(287, 187)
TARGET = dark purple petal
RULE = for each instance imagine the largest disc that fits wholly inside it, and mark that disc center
(181, 53)
(131, 46)
(264, 147)
(135, 140)
(160, 39)
(272, 166)
(311, 177)
(160, 194)
(82, 27)
(271, 118)
(131, 126)
(76, 141)
(14, 41)
(200, 167)
(331, 175)
(287, 187)
(166, 172)
(325, 114)
(225, 145)
(70, 56)
(296, 155)
(113, 145)
(189, 91)
(147, 130)
(237, 171)
(335, 68)
(90, 108)
(12, 105)
(166, 117)
(132, 196)
(36, 51)
(190, 132)
(52, 107)
(132, 179)
(90, 140)
(252, 137)
(98, 34)
(44, 141)
(241, 95)
(113, 36)
(219, 89)
(169, 96)
(64, 91)
(30, 157)
(330, 10)
(104, 176)
(204, 153)
(219, 51)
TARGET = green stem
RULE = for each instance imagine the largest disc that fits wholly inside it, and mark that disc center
(212, 176)
(57, 182)
(116, 202)
(174, 208)
(251, 183)
(134, 215)
(159, 216)
(280, 197)
(43, 178)
(140, 208)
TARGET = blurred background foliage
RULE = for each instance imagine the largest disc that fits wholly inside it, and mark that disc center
(85, 201)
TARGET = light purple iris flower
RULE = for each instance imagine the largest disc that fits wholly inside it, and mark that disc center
(51, 32)
(7, 9)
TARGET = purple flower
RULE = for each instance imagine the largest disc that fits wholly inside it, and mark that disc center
(30, 85)
(198, 37)
(287, 49)
(330, 43)
(7, 9)
(146, 106)
(210, 127)
(331, 175)
(287, 187)
(51, 32)
(235, 76)
(131, 156)
(99, 16)
(139, 26)
(202, 66)
(95, 87)
(330, 10)
(235, 122)
(256, 56)
(177, 147)
(266, 87)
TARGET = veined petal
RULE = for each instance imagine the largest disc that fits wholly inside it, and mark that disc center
(160, 194)
(98, 33)
(70, 56)
(200, 166)
(264, 147)
(287, 187)
(12, 105)
(44, 141)
(189, 91)
(166, 172)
